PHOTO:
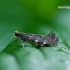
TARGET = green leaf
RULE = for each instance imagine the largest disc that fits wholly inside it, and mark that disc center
(33, 17)
(8, 62)
(13, 16)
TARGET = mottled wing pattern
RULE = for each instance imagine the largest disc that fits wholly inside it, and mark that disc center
(51, 39)
(39, 40)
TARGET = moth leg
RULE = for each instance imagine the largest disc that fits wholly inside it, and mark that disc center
(23, 45)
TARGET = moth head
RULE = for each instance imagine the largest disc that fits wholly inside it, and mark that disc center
(16, 33)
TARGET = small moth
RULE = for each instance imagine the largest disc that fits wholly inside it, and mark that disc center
(39, 40)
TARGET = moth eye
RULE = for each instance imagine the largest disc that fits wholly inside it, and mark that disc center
(16, 33)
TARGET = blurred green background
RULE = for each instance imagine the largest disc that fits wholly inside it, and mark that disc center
(38, 17)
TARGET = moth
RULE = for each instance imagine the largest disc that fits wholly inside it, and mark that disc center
(39, 40)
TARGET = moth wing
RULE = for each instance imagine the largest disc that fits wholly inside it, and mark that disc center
(52, 39)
